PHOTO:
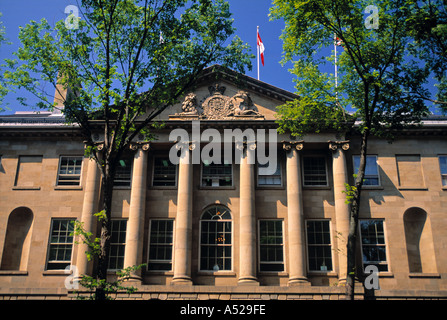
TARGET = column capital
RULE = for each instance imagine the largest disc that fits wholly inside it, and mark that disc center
(246, 145)
(288, 145)
(334, 145)
(143, 145)
(99, 145)
(181, 144)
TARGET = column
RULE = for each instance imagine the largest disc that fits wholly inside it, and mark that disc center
(247, 223)
(135, 224)
(89, 207)
(183, 221)
(295, 219)
(342, 212)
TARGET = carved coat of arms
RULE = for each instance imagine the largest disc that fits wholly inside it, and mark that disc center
(217, 106)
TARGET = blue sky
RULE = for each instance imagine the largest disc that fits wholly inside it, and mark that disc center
(247, 14)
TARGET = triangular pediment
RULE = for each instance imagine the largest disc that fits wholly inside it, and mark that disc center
(223, 94)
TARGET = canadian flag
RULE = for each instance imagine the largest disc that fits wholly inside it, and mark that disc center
(261, 48)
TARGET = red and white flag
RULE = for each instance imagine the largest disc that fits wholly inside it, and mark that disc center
(261, 48)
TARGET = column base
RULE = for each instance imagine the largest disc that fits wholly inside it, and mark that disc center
(182, 281)
(299, 281)
(248, 281)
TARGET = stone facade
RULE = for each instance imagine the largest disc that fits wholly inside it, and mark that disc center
(283, 237)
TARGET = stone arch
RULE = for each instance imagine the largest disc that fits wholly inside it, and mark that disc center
(419, 241)
(17, 240)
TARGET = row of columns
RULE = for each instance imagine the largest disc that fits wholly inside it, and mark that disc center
(247, 224)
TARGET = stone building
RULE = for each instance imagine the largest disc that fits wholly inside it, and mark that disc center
(227, 230)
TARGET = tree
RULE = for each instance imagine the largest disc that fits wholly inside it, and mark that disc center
(378, 77)
(3, 87)
(124, 62)
(428, 27)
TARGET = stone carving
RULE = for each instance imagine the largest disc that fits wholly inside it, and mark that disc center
(334, 145)
(243, 105)
(217, 106)
(189, 106)
(288, 145)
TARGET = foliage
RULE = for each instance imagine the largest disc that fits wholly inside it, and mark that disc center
(376, 72)
(428, 27)
(123, 63)
(94, 250)
(381, 82)
(3, 87)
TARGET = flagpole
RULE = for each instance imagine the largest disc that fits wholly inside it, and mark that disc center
(257, 45)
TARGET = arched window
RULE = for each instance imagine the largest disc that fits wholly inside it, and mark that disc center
(215, 239)
(17, 240)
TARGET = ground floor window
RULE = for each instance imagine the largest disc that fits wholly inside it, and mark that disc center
(319, 245)
(160, 245)
(60, 245)
(271, 245)
(215, 239)
(373, 244)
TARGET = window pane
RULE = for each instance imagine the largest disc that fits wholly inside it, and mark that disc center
(160, 247)
(271, 245)
(371, 170)
(217, 175)
(273, 179)
(314, 169)
(215, 239)
(319, 245)
(373, 244)
(60, 244)
(70, 171)
(164, 173)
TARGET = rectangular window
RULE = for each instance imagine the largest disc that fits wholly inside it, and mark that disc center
(373, 244)
(443, 168)
(123, 175)
(371, 170)
(160, 246)
(117, 244)
(271, 245)
(319, 245)
(314, 171)
(69, 171)
(164, 173)
(29, 171)
(217, 175)
(269, 180)
(60, 244)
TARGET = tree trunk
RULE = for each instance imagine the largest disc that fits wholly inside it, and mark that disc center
(105, 221)
(354, 219)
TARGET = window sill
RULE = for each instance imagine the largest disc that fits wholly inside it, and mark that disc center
(217, 188)
(25, 188)
(424, 275)
(372, 187)
(274, 273)
(272, 187)
(163, 188)
(56, 272)
(13, 273)
(158, 273)
(122, 188)
(217, 273)
(317, 188)
(413, 188)
(323, 273)
(68, 188)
